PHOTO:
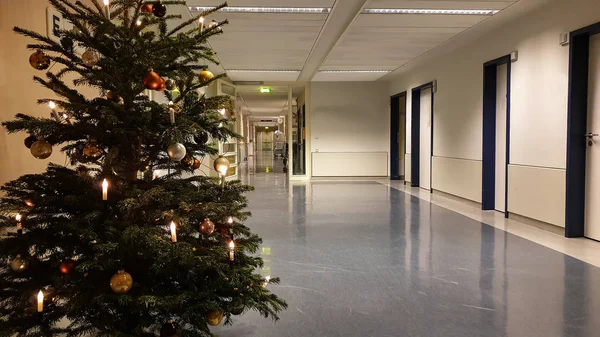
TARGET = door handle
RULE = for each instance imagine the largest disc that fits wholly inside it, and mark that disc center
(591, 135)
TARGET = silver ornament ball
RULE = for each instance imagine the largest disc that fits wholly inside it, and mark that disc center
(176, 151)
(170, 84)
(89, 58)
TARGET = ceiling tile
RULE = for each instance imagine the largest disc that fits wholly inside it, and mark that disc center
(341, 77)
(266, 41)
(440, 4)
(264, 3)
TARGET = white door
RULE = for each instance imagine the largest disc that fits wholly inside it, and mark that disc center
(501, 99)
(592, 175)
(425, 138)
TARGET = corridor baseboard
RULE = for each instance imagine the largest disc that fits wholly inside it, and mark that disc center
(548, 227)
(457, 198)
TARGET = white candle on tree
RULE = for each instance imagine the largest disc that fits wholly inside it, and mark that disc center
(40, 301)
(231, 249)
(105, 190)
(173, 232)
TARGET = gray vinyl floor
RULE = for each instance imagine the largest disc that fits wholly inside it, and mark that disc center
(364, 259)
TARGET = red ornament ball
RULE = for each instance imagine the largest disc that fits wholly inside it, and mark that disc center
(207, 227)
(67, 266)
(153, 81)
(30, 140)
(146, 8)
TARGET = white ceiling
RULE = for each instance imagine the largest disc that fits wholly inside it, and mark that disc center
(273, 104)
(345, 39)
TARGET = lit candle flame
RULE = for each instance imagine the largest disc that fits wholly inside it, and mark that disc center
(171, 103)
(231, 245)
(138, 22)
(104, 190)
(40, 299)
(173, 232)
(230, 220)
(106, 2)
(52, 105)
(18, 217)
(201, 19)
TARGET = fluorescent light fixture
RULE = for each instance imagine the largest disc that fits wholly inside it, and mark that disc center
(430, 11)
(265, 90)
(355, 71)
(262, 71)
(294, 10)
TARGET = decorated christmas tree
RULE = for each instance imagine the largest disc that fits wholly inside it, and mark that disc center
(104, 246)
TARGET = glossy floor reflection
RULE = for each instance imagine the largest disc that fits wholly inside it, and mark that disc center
(364, 259)
(265, 162)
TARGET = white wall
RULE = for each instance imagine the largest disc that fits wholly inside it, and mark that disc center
(538, 99)
(350, 117)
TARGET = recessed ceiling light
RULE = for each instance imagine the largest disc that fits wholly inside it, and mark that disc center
(430, 11)
(354, 71)
(298, 10)
(261, 71)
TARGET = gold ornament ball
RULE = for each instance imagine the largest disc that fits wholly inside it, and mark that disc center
(121, 282)
(207, 227)
(89, 58)
(92, 151)
(19, 264)
(214, 317)
(41, 149)
(221, 165)
(39, 60)
(205, 76)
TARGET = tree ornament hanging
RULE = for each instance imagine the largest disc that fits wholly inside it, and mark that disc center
(196, 164)
(67, 266)
(146, 8)
(214, 317)
(176, 151)
(19, 264)
(29, 141)
(90, 58)
(170, 84)
(41, 149)
(205, 76)
(159, 10)
(237, 310)
(170, 329)
(92, 151)
(188, 161)
(121, 282)
(40, 61)
(221, 165)
(152, 80)
(207, 227)
(201, 138)
(112, 96)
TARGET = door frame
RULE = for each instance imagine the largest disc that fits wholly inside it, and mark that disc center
(415, 136)
(579, 50)
(488, 176)
(394, 131)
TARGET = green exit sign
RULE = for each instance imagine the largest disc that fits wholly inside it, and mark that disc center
(265, 90)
